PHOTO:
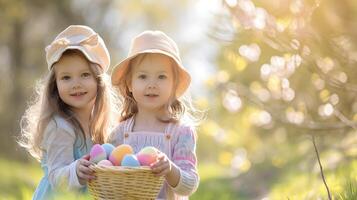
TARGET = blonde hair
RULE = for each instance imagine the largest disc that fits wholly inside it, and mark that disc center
(47, 104)
(178, 109)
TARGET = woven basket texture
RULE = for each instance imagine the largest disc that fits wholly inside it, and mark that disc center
(116, 182)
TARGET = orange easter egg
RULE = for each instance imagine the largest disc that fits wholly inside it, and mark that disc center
(119, 152)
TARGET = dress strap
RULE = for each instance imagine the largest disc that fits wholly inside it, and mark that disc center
(130, 124)
(128, 127)
(169, 132)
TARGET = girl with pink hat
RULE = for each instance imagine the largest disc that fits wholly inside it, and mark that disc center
(72, 110)
(152, 82)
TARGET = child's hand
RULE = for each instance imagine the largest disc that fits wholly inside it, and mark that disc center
(162, 166)
(165, 167)
(83, 171)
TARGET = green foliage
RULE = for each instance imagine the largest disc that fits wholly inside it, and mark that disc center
(297, 184)
(18, 180)
(350, 191)
(215, 183)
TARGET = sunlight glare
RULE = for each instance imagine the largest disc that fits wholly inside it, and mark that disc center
(251, 52)
(231, 101)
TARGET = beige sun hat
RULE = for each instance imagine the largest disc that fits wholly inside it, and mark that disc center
(82, 38)
(154, 42)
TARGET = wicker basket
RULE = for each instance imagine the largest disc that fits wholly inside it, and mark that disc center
(115, 182)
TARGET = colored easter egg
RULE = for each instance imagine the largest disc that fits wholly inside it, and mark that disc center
(105, 163)
(147, 155)
(146, 159)
(108, 149)
(119, 152)
(97, 153)
(130, 160)
(149, 150)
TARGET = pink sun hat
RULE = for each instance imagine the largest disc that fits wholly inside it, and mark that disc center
(82, 38)
(154, 42)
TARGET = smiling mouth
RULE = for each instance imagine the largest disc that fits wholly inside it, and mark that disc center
(78, 94)
(151, 95)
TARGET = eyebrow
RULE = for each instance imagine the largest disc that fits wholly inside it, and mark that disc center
(62, 73)
(66, 72)
(143, 71)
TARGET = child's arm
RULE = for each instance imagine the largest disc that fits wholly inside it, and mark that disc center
(60, 160)
(180, 173)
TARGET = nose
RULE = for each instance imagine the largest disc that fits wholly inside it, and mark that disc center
(76, 83)
(152, 84)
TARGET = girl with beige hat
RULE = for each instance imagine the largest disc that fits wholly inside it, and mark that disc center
(72, 110)
(152, 82)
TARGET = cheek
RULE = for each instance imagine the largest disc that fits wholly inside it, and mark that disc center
(136, 90)
(169, 86)
(93, 86)
(61, 88)
(135, 93)
(136, 86)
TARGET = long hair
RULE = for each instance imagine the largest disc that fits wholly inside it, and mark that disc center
(47, 103)
(178, 109)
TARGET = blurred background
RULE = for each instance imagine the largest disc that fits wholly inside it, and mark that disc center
(274, 77)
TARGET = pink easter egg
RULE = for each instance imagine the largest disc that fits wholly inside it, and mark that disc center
(105, 163)
(146, 159)
(149, 150)
(147, 155)
(97, 153)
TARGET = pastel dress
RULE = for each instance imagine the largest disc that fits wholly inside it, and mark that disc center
(61, 149)
(178, 142)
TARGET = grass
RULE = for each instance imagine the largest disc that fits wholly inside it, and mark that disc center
(215, 183)
(18, 180)
(350, 192)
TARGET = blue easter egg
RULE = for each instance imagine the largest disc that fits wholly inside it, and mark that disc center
(108, 149)
(130, 160)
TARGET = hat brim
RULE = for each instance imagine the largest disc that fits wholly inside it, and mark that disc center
(58, 55)
(184, 77)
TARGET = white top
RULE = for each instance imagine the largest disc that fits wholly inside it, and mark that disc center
(59, 149)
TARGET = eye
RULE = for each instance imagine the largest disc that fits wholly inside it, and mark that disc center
(65, 77)
(86, 74)
(142, 76)
(162, 76)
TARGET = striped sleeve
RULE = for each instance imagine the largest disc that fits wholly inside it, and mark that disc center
(184, 156)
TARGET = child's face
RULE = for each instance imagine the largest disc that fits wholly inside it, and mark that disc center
(152, 82)
(76, 84)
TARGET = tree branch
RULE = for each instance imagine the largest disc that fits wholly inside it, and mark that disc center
(321, 169)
